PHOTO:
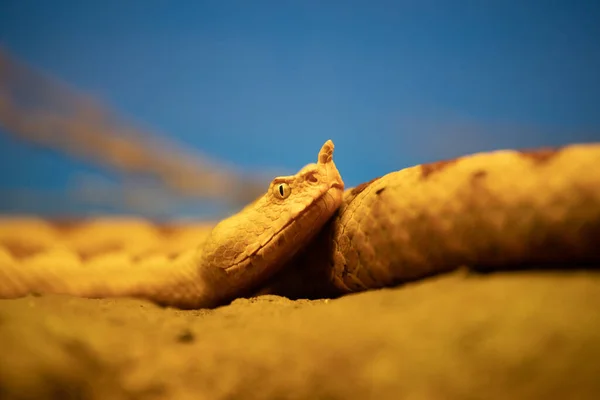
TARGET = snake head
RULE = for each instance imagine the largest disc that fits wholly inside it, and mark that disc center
(296, 207)
(256, 242)
(295, 193)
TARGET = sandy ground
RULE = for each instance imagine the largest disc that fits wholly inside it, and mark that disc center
(519, 335)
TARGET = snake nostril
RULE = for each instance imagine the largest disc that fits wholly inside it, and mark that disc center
(337, 184)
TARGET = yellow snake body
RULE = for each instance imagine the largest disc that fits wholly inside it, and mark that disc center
(499, 209)
(495, 210)
(229, 260)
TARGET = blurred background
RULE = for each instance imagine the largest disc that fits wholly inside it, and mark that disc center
(186, 110)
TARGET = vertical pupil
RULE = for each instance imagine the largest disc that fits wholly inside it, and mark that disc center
(281, 190)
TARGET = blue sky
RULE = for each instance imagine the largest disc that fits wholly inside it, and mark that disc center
(265, 83)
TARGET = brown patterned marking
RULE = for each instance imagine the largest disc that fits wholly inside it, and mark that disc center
(88, 254)
(541, 155)
(18, 249)
(477, 175)
(362, 186)
(477, 178)
(66, 225)
(428, 169)
(167, 229)
(142, 256)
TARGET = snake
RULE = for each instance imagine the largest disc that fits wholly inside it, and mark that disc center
(308, 236)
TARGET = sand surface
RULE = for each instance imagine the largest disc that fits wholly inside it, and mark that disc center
(518, 335)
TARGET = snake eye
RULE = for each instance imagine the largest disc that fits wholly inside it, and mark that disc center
(282, 190)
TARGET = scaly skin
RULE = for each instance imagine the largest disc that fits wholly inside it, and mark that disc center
(497, 210)
(239, 253)
(501, 209)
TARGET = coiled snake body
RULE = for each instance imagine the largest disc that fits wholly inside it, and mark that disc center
(307, 237)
